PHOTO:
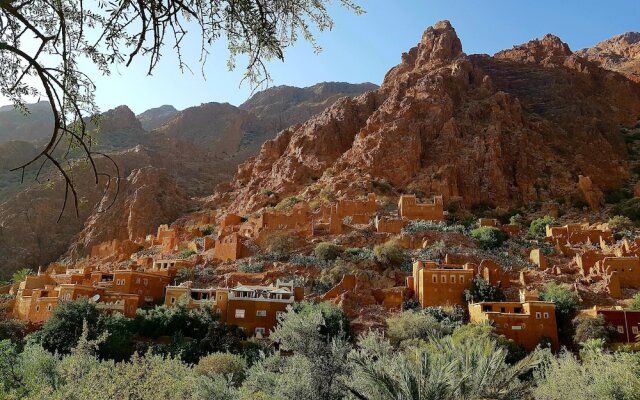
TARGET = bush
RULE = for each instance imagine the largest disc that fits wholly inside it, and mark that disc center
(411, 326)
(183, 275)
(482, 290)
(327, 251)
(516, 220)
(414, 227)
(251, 267)
(635, 302)
(280, 243)
(222, 364)
(538, 226)
(287, 203)
(565, 299)
(206, 230)
(620, 223)
(390, 253)
(20, 275)
(628, 208)
(590, 328)
(489, 237)
(186, 253)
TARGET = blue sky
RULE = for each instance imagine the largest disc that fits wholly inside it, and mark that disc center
(363, 48)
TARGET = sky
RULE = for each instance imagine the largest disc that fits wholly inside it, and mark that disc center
(362, 48)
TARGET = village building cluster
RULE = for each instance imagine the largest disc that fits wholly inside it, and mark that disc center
(142, 273)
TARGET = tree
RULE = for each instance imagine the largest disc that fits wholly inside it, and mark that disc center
(538, 226)
(334, 322)
(635, 302)
(20, 275)
(589, 328)
(61, 332)
(482, 290)
(223, 364)
(411, 326)
(63, 34)
(566, 302)
(390, 253)
(489, 236)
(327, 251)
(620, 223)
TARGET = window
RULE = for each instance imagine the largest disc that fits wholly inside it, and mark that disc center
(435, 279)
(503, 310)
(37, 308)
(138, 280)
(517, 310)
(239, 313)
(486, 308)
(461, 279)
(48, 307)
(516, 328)
(146, 282)
(538, 315)
(443, 279)
(259, 331)
(173, 300)
(452, 278)
(634, 329)
(546, 315)
(261, 313)
(620, 329)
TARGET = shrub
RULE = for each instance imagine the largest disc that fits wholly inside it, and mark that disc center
(616, 196)
(590, 328)
(251, 267)
(635, 302)
(206, 230)
(287, 203)
(183, 275)
(482, 290)
(620, 223)
(565, 299)
(489, 237)
(327, 251)
(280, 243)
(412, 325)
(414, 227)
(20, 275)
(222, 364)
(390, 253)
(186, 253)
(538, 226)
(516, 220)
(628, 208)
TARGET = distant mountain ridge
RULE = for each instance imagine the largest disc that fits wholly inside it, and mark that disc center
(166, 159)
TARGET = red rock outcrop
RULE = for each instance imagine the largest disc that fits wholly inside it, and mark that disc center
(517, 127)
(620, 53)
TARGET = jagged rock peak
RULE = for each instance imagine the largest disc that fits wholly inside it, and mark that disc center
(439, 42)
(121, 118)
(548, 50)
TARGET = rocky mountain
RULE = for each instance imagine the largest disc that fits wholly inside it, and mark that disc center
(519, 126)
(33, 126)
(155, 117)
(160, 170)
(620, 53)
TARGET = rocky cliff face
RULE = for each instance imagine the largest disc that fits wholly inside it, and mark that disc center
(161, 171)
(620, 53)
(517, 127)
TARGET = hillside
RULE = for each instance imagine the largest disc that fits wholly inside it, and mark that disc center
(525, 121)
(161, 170)
(620, 53)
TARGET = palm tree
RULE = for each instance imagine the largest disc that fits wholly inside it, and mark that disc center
(471, 369)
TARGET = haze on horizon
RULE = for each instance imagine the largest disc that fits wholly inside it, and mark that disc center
(363, 48)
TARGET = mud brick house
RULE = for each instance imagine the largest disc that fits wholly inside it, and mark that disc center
(574, 234)
(150, 287)
(231, 248)
(255, 309)
(627, 270)
(587, 260)
(408, 208)
(625, 322)
(510, 229)
(168, 268)
(527, 323)
(388, 225)
(493, 273)
(439, 285)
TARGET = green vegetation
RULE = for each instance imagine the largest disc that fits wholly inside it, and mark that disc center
(183, 275)
(482, 290)
(186, 253)
(620, 223)
(414, 227)
(207, 230)
(390, 253)
(589, 328)
(635, 302)
(287, 203)
(327, 251)
(567, 303)
(628, 208)
(538, 226)
(251, 267)
(489, 237)
(21, 274)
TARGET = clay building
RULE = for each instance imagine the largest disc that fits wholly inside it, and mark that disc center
(625, 322)
(388, 225)
(627, 270)
(231, 248)
(150, 287)
(253, 308)
(526, 323)
(408, 208)
(439, 285)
